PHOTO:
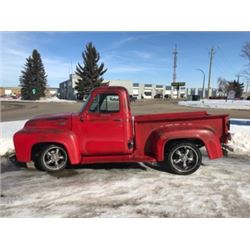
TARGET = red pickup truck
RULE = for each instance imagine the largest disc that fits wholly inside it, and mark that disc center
(105, 131)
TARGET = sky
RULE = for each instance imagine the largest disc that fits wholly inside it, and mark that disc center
(144, 57)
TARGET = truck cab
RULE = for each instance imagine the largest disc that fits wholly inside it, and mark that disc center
(105, 123)
(105, 131)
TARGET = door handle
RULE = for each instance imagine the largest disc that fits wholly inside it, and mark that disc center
(117, 120)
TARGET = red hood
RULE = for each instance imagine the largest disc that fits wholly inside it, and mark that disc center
(61, 121)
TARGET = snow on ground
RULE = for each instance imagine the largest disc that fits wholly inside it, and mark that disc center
(7, 130)
(220, 188)
(221, 104)
(240, 141)
(240, 136)
(46, 99)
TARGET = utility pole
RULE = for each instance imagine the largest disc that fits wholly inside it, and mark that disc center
(212, 52)
(174, 68)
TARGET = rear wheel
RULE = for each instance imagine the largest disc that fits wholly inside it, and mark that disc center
(52, 158)
(182, 158)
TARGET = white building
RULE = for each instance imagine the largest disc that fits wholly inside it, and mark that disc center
(67, 88)
(138, 90)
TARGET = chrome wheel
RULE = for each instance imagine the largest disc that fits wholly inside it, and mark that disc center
(184, 158)
(54, 158)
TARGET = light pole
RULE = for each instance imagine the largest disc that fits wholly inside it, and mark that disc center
(203, 85)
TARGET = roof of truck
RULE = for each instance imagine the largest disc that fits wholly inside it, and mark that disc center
(111, 87)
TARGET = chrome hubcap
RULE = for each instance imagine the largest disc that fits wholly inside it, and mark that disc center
(184, 158)
(55, 158)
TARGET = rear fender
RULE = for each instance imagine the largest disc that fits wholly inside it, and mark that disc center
(206, 136)
(25, 139)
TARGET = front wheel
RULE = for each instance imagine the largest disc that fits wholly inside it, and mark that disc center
(52, 158)
(182, 158)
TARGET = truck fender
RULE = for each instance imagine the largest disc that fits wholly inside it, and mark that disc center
(206, 136)
(36, 136)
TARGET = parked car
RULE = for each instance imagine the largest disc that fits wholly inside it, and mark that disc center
(158, 96)
(105, 131)
(132, 98)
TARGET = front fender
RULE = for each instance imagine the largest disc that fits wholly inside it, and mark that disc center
(26, 138)
(161, 137)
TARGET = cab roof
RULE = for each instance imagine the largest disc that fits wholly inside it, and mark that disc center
(114, 88)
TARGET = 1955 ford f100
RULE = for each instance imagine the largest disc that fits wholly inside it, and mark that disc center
(105, 131)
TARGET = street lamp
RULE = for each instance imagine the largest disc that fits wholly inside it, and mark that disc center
(203, 85)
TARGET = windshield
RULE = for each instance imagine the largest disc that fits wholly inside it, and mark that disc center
(85, 102)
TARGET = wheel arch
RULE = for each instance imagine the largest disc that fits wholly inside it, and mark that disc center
(196, 141)
(36, 148)
(200, 137)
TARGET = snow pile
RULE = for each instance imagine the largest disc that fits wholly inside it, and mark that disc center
(240, 141)
(45, 99)
(55, 99)
(7, 130)
(222, 104)
(240, 136)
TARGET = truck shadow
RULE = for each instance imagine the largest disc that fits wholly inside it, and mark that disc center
(71, 170)
(109, 166)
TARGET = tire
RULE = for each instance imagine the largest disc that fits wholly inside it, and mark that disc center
(182, 158)
(52, 158)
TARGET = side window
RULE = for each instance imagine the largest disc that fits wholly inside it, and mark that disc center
(105, 103)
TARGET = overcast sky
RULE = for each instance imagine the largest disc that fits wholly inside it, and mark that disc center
(138, 56)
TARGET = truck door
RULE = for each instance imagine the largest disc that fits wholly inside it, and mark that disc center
(103, 126)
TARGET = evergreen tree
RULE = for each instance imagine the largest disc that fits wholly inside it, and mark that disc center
(26, 79)
(90, 73)
(33, 79)
(236, 86)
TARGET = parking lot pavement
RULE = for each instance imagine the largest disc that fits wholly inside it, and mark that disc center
(11, 111)
(220, 188)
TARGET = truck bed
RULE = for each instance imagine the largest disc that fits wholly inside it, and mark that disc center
(173, 116)
(145, 125)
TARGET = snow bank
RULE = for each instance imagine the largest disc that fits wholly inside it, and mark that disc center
(240, 136)
(50, 99)
(222, 104)
(7, 130)
(240, 139)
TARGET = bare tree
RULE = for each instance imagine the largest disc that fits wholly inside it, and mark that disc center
(222, 86)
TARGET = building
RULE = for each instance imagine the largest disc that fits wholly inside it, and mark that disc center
(10, 91)
(16, 91)
(138, 90)
(67, 88)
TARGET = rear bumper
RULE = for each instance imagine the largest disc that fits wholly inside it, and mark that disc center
(226, 148)
(225, 138)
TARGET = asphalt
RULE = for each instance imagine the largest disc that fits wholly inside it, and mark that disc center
(11, 111)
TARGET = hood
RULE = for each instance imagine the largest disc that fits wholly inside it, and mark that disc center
(60, 121)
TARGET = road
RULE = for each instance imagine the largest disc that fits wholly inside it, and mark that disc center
(25, 110)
